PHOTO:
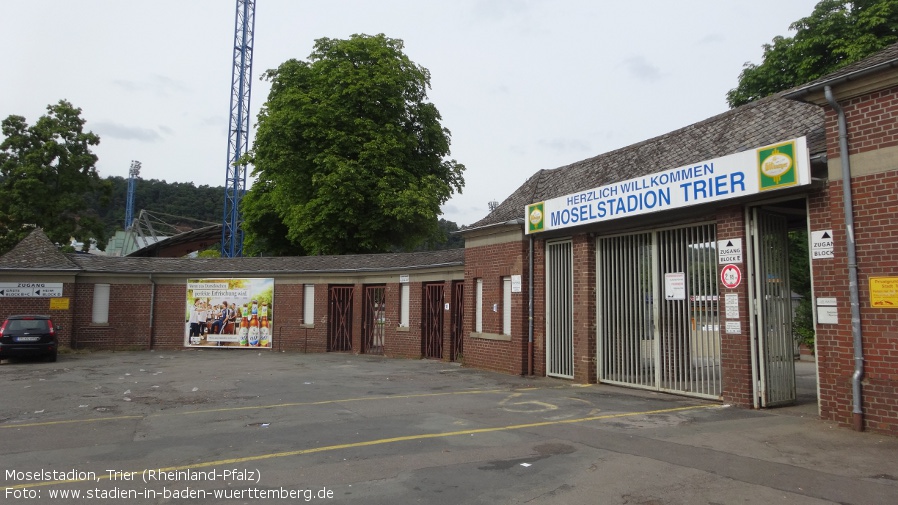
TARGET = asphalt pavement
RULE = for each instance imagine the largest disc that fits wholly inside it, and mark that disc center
(242, 426)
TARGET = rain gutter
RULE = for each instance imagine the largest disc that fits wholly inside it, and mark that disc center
(857, 378)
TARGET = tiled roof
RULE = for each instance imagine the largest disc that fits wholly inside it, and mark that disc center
(759, 123)
(291, 264)
(36, 252)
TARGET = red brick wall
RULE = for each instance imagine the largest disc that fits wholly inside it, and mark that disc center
(584, 251)
(735, 349)
(491, 263)
(872, 124)
(129, 317)
(876, 239)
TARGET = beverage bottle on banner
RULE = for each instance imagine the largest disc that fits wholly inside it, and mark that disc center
(264, 330)
(243, 331)
(253, 333)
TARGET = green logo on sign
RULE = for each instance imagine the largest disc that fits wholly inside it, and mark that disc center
(536, 217)
(776, 166)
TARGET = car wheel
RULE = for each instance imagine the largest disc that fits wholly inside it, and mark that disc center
(51, 357)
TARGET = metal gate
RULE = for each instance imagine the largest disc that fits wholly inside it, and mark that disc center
(658, 323)
(775, 360)
(373, 320)
(432, 322)
(339, 318)
(456, 348)
(560, 309)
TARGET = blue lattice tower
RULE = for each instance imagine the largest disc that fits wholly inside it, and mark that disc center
(235, 185)
(133, 172)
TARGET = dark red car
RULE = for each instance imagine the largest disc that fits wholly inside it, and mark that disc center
(28, 335)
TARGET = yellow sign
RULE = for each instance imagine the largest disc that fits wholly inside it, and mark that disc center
(59, 303)
(884, 292)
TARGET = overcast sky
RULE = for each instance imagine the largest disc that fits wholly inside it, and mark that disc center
(523, 85)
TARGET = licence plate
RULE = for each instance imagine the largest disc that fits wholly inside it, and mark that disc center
(27, 339)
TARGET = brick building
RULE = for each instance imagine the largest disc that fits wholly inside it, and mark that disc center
(373, 304)
(664, 265)
(661, 266)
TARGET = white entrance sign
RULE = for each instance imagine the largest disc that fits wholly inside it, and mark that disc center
(750, 172)
(822, 244)
(729, 251)
(675, 286)
(30, 289)
(516, 283)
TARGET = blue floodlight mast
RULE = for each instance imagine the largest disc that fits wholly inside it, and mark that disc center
(133, 172)
(235, 185)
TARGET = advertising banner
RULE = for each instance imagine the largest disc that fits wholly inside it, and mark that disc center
(768, 168)
(229, 313)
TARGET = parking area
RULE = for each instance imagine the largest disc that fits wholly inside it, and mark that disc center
(237, 426)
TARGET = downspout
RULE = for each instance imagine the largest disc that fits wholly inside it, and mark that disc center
(152, 308)
(530, 312)
(858, 411)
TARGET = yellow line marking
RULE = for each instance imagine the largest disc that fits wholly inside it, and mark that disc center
(343, 400)
(273, 406)
(70, 421)
(423, 436)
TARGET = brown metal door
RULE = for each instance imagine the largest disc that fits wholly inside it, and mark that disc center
(432, 322)
(457, 337)
(339, 318)
(373, 320)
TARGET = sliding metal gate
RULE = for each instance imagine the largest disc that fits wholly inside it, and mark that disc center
(657, 309)
(776, 365)
(373, 320)
(339, 318)
(560, 309)
(432, 321)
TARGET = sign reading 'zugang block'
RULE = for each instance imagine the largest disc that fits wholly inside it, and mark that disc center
(745, 173)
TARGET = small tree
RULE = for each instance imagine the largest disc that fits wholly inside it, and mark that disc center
(800, 281)
(349, 155)
(837, 32)
(48, 179)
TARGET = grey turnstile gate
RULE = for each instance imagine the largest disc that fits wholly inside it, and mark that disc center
(560, 309)
(773, 309)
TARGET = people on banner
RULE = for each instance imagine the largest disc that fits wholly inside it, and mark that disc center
(226, 315)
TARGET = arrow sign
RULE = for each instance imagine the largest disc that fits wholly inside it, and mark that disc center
(822, 243)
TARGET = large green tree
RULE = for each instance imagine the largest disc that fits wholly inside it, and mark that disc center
(349, 155)
(837, 32)
(48, 179)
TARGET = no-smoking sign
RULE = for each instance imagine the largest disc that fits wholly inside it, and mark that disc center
(730, 276)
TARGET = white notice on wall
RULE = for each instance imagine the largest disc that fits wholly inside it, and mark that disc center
(734, 327)
(515, 283)
(675, 286)
(731, 301)
(827, 315)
